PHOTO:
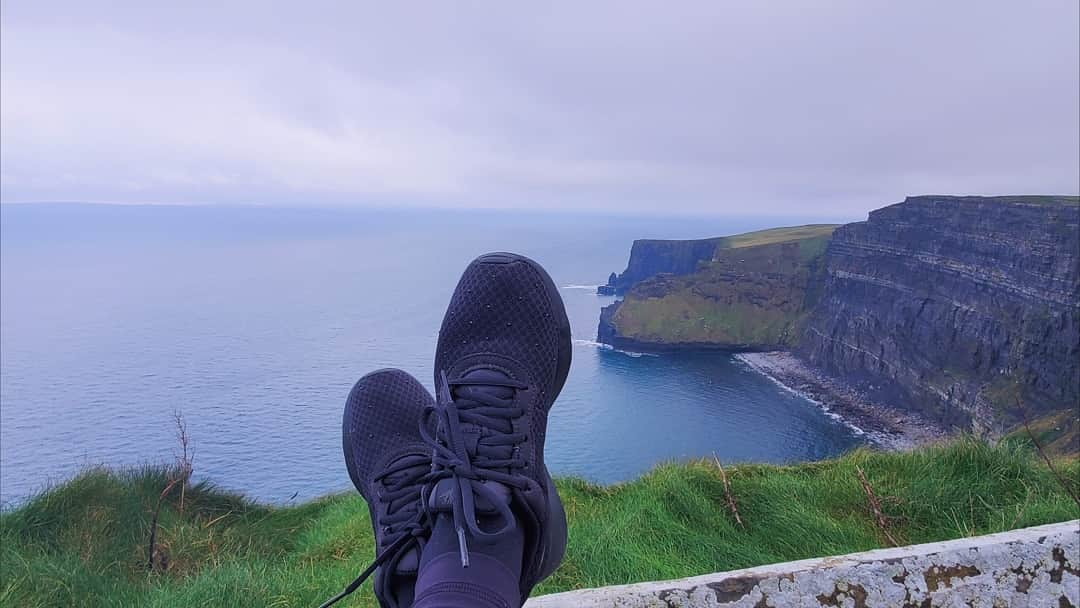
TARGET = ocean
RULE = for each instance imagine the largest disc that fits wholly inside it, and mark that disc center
(254, 322)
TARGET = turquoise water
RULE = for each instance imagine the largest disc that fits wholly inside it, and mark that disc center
(254, 323)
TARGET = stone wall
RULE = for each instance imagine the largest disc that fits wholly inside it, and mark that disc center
(1033, 567)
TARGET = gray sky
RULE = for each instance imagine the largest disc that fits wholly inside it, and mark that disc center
(758, 107)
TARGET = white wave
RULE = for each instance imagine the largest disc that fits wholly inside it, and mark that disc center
(589, 287)
(635, 354)
(602, 346)
(582, 342)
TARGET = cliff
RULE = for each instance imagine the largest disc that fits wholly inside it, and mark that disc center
(956, 306)
(959, 308)
(753, 294)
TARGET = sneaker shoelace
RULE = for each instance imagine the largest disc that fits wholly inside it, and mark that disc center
(404, 525)
(493, 457)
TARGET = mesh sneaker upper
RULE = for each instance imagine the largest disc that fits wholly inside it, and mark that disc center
(507, 315)
(504, 308)
(381, 421)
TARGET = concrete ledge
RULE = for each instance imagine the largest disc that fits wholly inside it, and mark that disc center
(1032, 567)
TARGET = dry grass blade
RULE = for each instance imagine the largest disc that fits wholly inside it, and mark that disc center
(217, 519)
(184, 461)
(1049, 463)
(153, 522)
(875, 507)
(727, 493)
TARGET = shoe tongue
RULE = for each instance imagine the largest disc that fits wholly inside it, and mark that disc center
(482, 377)
(486, 385)
(395, 477)
(442, 498)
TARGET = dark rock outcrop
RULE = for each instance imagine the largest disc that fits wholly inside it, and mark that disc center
(959, 307)
(609, 288)
(652, 257)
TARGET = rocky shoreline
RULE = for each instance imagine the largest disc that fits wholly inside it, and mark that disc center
(885, 426)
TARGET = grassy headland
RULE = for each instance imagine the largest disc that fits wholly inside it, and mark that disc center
(84, 543)
(754, 293)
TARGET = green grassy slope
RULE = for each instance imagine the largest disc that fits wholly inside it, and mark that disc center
(754, 294)
(776, 235)
(84, 543)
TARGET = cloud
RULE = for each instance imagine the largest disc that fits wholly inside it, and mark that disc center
(809, 108)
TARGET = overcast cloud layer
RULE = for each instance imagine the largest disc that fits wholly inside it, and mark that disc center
(829, 108)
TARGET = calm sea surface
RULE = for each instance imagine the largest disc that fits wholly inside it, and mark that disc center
(254, 323)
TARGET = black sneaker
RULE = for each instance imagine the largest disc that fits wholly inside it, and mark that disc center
(502, 358)
(389, 463)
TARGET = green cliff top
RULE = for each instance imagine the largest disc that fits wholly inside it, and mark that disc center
(758, 237)
(84, 542)
(776, 235)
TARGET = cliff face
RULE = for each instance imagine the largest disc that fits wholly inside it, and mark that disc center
(753, 294)
(652, 257)
(955, 306)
